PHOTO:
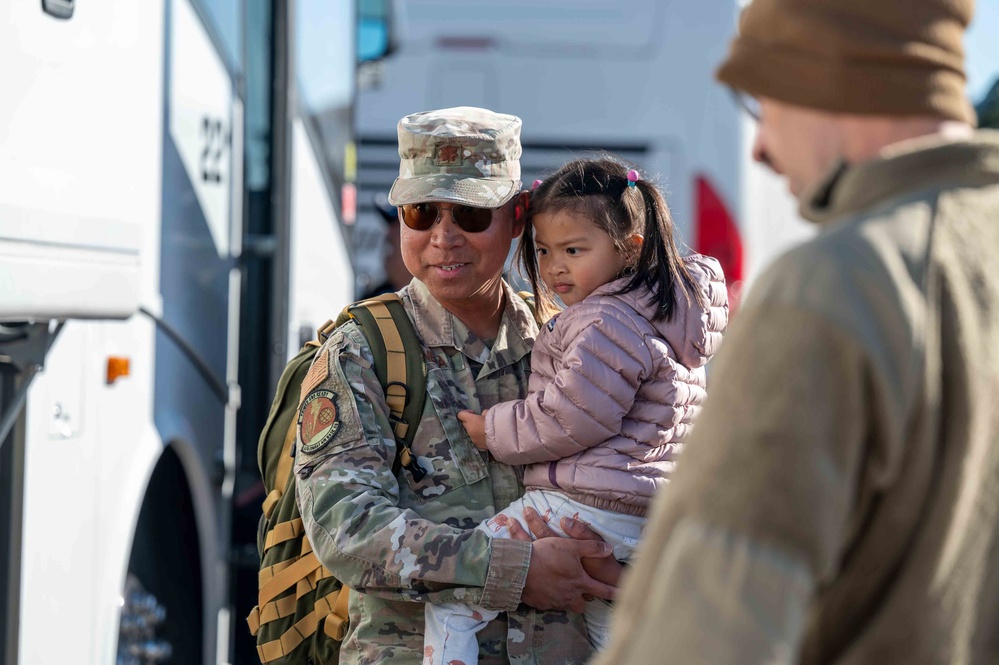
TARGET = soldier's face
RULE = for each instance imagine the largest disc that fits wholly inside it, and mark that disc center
(457, 265)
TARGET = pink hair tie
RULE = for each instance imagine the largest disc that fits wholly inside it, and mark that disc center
(632, 177)
(535, 185)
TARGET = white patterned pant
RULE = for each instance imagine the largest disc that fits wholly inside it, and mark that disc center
(450, 637)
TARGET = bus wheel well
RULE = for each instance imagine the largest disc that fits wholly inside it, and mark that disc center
(165, 560)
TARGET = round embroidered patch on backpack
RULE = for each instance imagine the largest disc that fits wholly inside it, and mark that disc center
(318, 420)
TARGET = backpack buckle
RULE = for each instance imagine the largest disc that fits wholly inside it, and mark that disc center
(394, 389)
(410, 463)
(324, 331)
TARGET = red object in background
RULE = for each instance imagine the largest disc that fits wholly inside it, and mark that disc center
(718, 236)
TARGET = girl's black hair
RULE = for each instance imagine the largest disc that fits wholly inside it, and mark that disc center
(597, 188)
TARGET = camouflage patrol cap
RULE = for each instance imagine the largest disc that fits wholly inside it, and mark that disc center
(464, 154)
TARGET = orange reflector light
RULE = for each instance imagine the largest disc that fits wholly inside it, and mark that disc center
(117, 367)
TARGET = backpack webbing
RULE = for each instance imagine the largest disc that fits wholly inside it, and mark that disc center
(401, 372)
(404, 398)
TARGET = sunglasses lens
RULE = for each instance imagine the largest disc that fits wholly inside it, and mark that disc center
(472, 220)
(420, 216)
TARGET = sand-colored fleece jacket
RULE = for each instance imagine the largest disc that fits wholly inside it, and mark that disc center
(839, 499)
(612, 393)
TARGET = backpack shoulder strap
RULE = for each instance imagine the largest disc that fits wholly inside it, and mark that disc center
(399, 367)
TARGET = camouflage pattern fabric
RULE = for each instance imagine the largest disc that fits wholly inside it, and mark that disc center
(401, 542)
(463, 154)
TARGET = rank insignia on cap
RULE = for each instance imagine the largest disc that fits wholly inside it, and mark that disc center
(448, 155)
(318, 420)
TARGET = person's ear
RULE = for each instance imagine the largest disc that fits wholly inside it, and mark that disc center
(635, 243)
(520, 212)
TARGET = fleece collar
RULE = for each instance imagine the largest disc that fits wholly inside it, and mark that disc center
(905, 169)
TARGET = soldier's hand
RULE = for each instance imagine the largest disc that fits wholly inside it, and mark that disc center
(556, 579)
(475, 425)
(604, 569)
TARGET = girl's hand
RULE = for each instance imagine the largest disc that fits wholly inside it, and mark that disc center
(475, 425)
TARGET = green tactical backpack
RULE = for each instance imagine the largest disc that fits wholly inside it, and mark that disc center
(301, 616)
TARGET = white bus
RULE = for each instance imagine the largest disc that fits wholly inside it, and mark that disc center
(633, 78)
(174, 188)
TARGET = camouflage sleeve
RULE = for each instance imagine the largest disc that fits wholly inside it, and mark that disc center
(349, 498)
(584, 404)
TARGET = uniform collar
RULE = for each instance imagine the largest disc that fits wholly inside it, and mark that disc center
(438, 327)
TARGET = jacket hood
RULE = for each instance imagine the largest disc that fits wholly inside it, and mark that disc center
(695, 331)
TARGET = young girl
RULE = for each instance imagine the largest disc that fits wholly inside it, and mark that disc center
(616, 378)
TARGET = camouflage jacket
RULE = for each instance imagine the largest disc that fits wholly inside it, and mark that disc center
(401, 543)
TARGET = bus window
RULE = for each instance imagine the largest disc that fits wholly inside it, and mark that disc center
(225, 21)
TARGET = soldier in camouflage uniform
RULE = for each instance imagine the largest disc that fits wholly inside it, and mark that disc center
(402, 541)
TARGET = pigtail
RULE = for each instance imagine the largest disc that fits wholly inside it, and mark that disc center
(660, 268)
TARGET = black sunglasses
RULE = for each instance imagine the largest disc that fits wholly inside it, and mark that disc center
(747, 103)
(421, 216)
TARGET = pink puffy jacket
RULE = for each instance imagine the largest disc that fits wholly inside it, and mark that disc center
(612, 394)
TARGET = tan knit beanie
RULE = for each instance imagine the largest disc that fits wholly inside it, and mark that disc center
(878, 57)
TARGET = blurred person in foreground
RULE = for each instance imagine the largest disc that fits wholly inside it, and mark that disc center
(397, 275)
(403, 535)
(838, 501)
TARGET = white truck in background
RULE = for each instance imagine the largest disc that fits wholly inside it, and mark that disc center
(174, 189)
(631, 78)
(635, 78)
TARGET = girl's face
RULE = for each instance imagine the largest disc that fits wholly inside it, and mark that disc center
(575, 256)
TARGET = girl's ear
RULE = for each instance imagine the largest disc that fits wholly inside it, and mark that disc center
(635, 245)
